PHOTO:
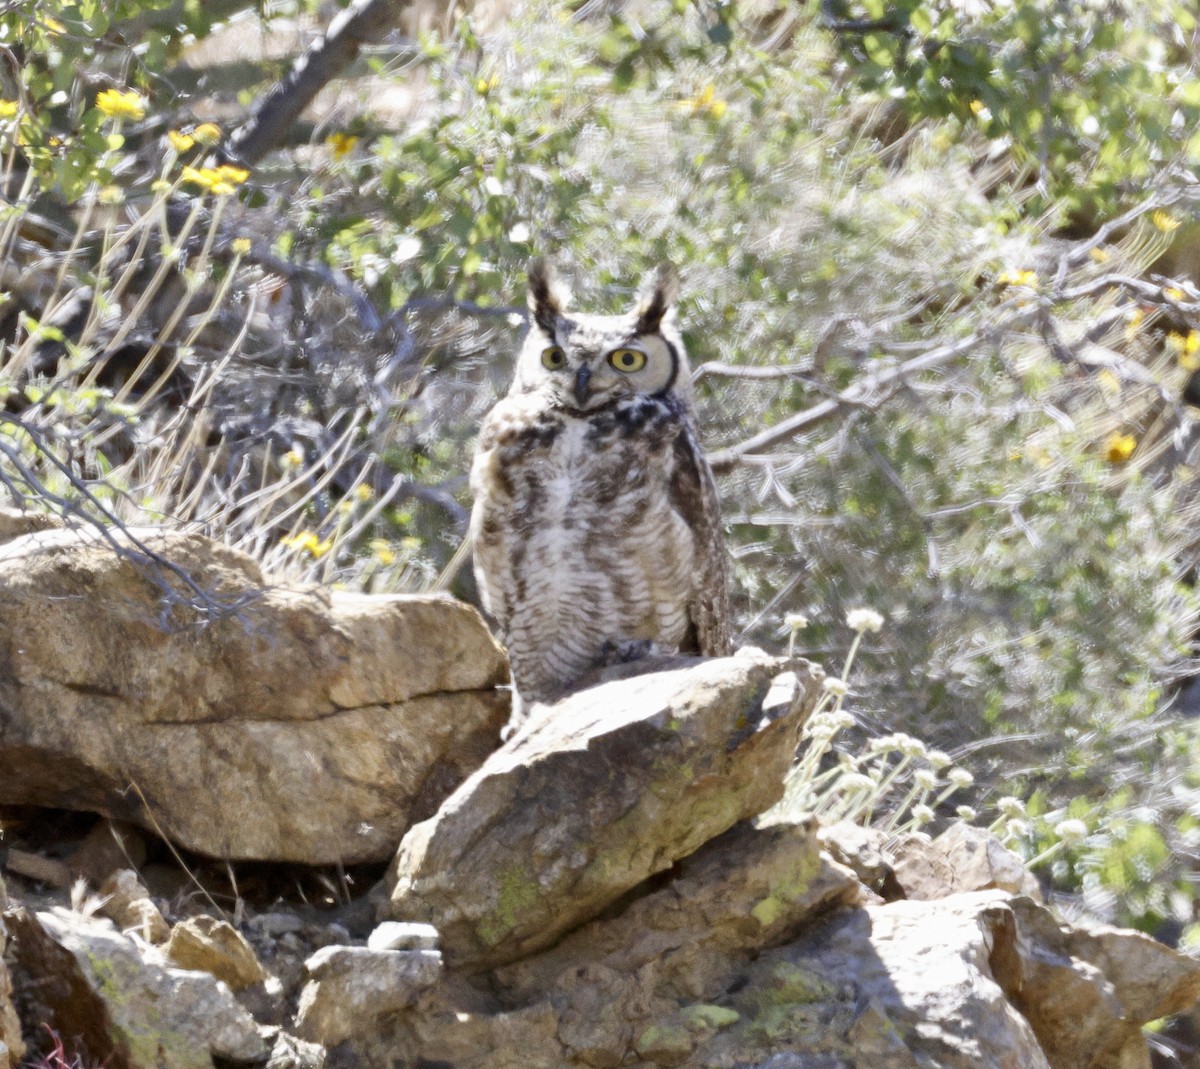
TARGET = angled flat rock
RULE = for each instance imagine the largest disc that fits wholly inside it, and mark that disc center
(166, 681)
(595, 794)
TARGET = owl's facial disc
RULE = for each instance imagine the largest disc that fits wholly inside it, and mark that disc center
(595, 374)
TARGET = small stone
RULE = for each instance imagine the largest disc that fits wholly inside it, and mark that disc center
(702, 1017)
(962, 859)
(289, 1052)
(40, 869)
(277, 924)
(668, 1043)
(860, 849)
(403, 935)
(351, 987)
(216, 947)
(127, 903)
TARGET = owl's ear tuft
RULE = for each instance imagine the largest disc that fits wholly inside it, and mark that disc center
(657, 298)
(548, 297)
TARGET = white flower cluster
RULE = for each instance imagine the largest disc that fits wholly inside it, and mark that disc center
(861, 620)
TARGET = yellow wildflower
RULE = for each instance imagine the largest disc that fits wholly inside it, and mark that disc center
(382, 551)
(118, 105)
(1176, 342)
(705, 101)
(241, 246)
(221, 180)
(1041, 456)
(308, 542)
(1133, 321)
(1174, 293)
(1119, 448)
(1189, 352)
(111, 195)
(341, 144)
(207, 133)
(1164, 221)
(483, 86)
(180, 142)
(1109, 383)
(293, 458)
(1022, 277)
(8, 109)
(1099, 255)
(363, 492)
(230, 173)
(981, 111)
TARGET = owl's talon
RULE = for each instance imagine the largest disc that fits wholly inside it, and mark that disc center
(622, 651)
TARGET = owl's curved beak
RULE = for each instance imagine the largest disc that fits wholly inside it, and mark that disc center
(582, 391)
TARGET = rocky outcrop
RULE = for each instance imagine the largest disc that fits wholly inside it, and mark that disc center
(169, 685)
(609, 889)
(760, 950)
(596, 794)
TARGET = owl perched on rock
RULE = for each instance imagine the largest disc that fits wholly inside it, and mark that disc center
(596, 526)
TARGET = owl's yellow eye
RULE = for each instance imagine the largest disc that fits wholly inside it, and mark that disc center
(627, 360)
(553, 358)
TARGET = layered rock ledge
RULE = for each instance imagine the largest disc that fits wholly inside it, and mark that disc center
(238, 719)
(614, 886)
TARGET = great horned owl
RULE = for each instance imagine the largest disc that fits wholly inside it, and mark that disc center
(596, 526)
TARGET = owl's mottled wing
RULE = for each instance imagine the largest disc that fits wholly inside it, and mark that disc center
(492, 532)
(694, 494)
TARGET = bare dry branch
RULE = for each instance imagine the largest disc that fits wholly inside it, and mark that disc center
(362, 21)
(863, 392)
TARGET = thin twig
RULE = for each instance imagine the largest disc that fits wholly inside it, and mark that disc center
(863, 392)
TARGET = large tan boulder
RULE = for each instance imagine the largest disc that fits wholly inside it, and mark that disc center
(166, 682)
(594, 795)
